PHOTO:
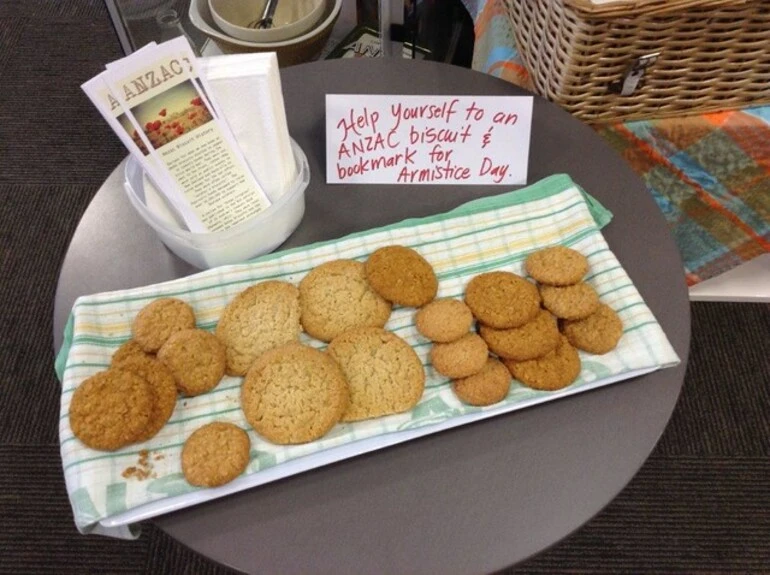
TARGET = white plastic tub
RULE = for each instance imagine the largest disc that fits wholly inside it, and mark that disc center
(259, 235)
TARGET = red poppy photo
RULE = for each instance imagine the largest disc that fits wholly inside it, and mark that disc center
(165, 117)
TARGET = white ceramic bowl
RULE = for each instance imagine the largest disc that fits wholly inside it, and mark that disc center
(292, 18)
(256, 236)
(293, 51)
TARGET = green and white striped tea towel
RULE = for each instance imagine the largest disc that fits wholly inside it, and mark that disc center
(494, 233)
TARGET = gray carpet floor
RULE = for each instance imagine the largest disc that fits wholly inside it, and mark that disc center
(700, 504)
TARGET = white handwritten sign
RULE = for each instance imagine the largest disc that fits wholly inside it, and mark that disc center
(378, 139)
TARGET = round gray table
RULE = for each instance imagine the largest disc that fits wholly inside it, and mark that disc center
(473, 499)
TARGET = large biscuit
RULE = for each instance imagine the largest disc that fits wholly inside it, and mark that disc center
(486, 387)
(128, 349)
(555, 370)
(598, 333)
(336, 297)
(258, 319)
(215, 454)
(110, 409)
(401, 275)
(156, 321)
(502, 299)
(294, 394)
(383, 371)
(444, 320)
(460, 358)
(162, 386)
(532, 340)
(570, 302)
(556, 265)
(196, 358)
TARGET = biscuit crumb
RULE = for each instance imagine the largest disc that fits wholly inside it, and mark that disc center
(143, 468)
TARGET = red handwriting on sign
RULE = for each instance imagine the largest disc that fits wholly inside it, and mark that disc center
(443, 112)
(356, 123)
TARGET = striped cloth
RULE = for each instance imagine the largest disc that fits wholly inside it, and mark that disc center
(708, 173)
(493, 233)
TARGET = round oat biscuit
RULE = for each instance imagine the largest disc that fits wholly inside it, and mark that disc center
(444, 320)
(215, 454)
(156, 321)
(259, 318)
(487, 387)
(570, 302)
(335, 297)
(110, 409)
(502, 299)
(162, 386)
(384, 373)
(598, 333)
(532, 340)
(402, 276)
(126, 350)
(460, 358)
(557, 265)
(294, 394)
(555, 370)
(196, 359)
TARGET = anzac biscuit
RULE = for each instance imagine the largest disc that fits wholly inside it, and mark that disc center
(156, 321)
(502, 299)
(599, 333)
(294, 394)
(126, 350)
(259, 318)
(444, 320)
(486, 387)
(162, 386)
(460, 358)
(532, 340)
(570, 302)
(215, 454)
(196, 358)
(402, 276)
(335, 297)
(110, 409)
(383, 372)
(557, 265)
(555, 370)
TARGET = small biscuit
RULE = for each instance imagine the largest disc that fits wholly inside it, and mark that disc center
(502, 299)
(570, 302)
(215, 454)
(294, 394)
(384, 373)
(460, 358)
(557, 265)
(444, 320)
(599, 333)
(156, 321)
(196, 358)
(162, 386)
(126, 350)
(110, 409)
(486, 387)
(555, 370)
(259, 318)
(532, 340)
(402, 276)
(336, 297)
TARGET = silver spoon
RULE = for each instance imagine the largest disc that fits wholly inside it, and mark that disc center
(266, 20)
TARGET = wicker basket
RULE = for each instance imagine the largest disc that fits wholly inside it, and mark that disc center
(645, 58)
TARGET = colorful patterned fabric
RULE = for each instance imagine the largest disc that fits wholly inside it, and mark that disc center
(708, 173)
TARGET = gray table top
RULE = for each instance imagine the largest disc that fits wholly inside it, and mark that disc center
(472, 499)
